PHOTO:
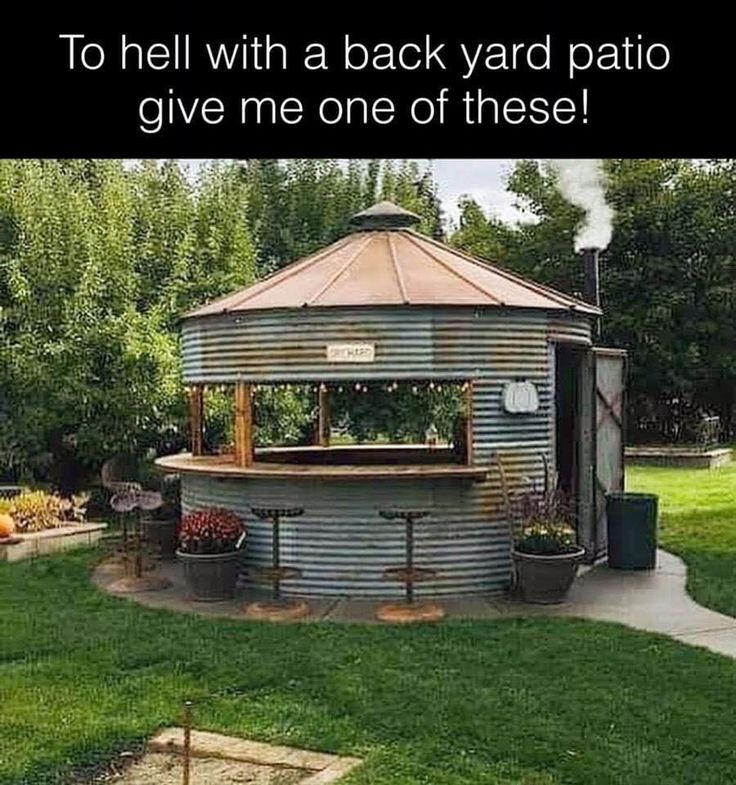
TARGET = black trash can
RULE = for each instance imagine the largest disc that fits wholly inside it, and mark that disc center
(632, 530)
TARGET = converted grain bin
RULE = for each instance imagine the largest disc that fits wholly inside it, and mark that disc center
(386, 304)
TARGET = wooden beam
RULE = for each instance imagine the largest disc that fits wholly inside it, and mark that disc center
(243, 425)
(469, 451)
(196, 418)
(324, 425)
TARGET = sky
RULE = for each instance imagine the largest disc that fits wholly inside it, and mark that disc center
(483, 179)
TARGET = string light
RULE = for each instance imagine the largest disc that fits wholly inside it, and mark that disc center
(416, 386)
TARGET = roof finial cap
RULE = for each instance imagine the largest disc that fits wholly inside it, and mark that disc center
(384, 215)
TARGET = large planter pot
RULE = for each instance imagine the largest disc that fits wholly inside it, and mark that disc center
(163, 535)
(211, 577)
(546, 579)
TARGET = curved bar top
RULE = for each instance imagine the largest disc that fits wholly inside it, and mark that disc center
(224, 466)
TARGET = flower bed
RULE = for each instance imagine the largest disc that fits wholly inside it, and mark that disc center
(35, 511)
(34, 523)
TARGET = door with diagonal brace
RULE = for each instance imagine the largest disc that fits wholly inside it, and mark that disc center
(610, 390)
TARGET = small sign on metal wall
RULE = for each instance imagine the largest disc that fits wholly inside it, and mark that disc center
(351, 352)
(520, 398)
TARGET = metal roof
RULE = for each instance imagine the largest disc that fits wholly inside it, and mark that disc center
(387, 263)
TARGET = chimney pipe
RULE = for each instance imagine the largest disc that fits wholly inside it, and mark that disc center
(591, 281)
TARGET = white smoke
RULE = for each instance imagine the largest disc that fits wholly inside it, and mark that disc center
(582, 182)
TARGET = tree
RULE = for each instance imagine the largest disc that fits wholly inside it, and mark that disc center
(667, 276)
(300, 205)
(98, 262)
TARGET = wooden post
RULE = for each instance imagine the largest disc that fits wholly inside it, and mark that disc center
(186, 773)
(469, 451)
(196, 418)
(243, 425)
(324, 425)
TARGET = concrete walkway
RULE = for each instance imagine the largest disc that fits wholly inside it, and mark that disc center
(655, 601)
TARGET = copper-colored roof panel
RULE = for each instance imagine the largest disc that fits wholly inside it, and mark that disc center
(507, 291)
(391, 264)
(373, 263)
(426, 280)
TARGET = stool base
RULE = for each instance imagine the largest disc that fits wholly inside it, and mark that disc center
(277, 610)
(116, 565)
(133, 585)
(410, 612)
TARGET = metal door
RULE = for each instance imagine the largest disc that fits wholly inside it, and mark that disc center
(610, 389)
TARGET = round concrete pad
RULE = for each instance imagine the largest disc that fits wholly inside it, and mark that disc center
(116, 565)
(286, 610)
(408, 613)
(133, 585)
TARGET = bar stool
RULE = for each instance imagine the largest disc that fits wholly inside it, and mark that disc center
(278, 608)
(408, 574)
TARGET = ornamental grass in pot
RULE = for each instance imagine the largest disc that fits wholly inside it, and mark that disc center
(210, 549)
(546, 554)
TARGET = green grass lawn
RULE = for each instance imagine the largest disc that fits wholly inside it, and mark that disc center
(513, 702)
(698, 522)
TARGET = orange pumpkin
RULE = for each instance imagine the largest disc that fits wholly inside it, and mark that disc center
(7, 526)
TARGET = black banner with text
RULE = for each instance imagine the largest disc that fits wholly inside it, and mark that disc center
(632, 90)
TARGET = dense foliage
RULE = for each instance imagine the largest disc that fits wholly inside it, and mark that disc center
(667, 278)
(299, 206)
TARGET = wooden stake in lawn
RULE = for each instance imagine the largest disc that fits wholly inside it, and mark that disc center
(187, 742)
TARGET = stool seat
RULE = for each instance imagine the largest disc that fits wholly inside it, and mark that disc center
(409, 574)
(272, 513)
(402, 514)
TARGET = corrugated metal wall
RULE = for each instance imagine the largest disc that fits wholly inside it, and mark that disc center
(341, 543)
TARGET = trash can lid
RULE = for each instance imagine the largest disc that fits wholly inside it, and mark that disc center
(632, 495)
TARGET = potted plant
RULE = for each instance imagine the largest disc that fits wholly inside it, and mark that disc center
(546, 554)
(162, 526)
(210, 543)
